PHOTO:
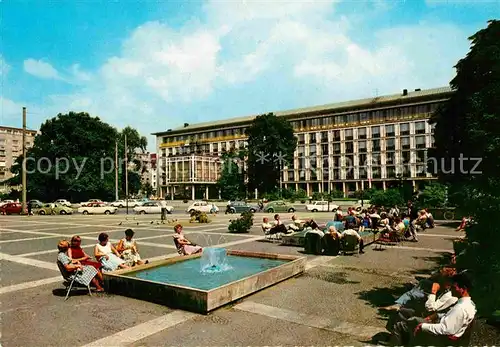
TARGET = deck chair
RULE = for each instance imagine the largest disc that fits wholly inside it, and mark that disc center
(70, 283)
(180, 249)
(350, 244)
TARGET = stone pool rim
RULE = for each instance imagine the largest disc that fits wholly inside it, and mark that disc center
(200, 300)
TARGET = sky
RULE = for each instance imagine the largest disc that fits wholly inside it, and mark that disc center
(155, 65)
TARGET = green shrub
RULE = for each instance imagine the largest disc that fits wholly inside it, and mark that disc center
(242, 224)
(200, 217)
(387, 198)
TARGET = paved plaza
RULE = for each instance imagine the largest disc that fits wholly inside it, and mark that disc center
(334, 303)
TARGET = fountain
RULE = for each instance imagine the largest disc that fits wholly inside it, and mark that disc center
(203, 282)
(214, 260)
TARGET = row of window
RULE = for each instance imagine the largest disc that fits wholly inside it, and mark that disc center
(391, 114)
(362, 146)
(362, 173)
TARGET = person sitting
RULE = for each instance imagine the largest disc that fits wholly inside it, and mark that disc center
(266, 226)
(127, 247)
(297, 224)
(339, 214)
(278, 227)
(435, 304)
(398, 230)
(184, 246)
(365, 222)
(107, 254)
(394, 211)
(354, 233)
(421, 220)
(384, 223)
(77, 254)
(464, 223)
(83, 274)
(418, 292)
(450, 327)
(430, 219)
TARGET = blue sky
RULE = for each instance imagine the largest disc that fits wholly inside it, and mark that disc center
(157, 64)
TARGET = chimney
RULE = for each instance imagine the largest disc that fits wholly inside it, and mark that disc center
(418, 89)
(186, 125)
(405, 92)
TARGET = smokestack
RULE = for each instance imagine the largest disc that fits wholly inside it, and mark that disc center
(405, 92)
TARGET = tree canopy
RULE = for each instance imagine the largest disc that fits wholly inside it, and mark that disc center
(232, 180)
(271, 144)
(73, 158)
(468, 127)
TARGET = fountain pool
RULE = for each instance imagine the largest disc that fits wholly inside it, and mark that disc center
(201, 283)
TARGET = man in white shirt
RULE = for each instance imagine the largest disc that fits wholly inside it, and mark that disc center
(453, 325)
(449, 327)
(435, 304)
(353, 232)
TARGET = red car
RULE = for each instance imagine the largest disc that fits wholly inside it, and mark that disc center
(11, 208)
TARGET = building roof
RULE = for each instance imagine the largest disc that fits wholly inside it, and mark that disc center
(316, 109)
(18, 129)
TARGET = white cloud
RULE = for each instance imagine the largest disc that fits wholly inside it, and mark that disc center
(159, 70)
(78, 74)
(4, 67)
(41, 69)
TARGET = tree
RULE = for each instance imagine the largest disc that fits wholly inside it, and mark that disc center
(231, 181)
(147, 189)
(72, 158)
(467, 127)
(387, 198)
(433, 195)
(271, 144)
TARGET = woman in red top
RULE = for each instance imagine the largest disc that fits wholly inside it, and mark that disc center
(76, 253)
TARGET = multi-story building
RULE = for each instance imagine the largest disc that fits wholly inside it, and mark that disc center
(11, 147)
(347, 146)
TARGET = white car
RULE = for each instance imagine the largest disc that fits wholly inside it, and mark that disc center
(152, 207)
(63, 202)
(322, 206)
(123, 203)
(202, 206)
(96, 208)
(91, 201)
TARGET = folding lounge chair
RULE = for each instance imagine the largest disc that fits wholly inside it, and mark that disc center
(350, 244)
(180, 249)
(70, 283)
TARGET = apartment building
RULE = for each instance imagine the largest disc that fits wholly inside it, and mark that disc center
(346, 146)
(11, 147)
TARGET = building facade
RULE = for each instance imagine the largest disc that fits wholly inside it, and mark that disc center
(346, 146)
(11, 147)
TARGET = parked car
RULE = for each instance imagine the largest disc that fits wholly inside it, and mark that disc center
(63, 202)
(48, 209)
(321, 206)
(279, 206)
(202, 206)
(35, 204)
(91, 201)
(241, 206)
(4, 202)
(124, 203)
(97, 208)
(152, 207)
(11, 208)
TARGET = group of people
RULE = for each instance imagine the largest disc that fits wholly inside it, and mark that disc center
(79, 265)
(437, 311)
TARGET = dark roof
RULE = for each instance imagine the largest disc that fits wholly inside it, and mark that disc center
(316, 109)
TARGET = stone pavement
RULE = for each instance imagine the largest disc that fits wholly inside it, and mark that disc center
(334, 303)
